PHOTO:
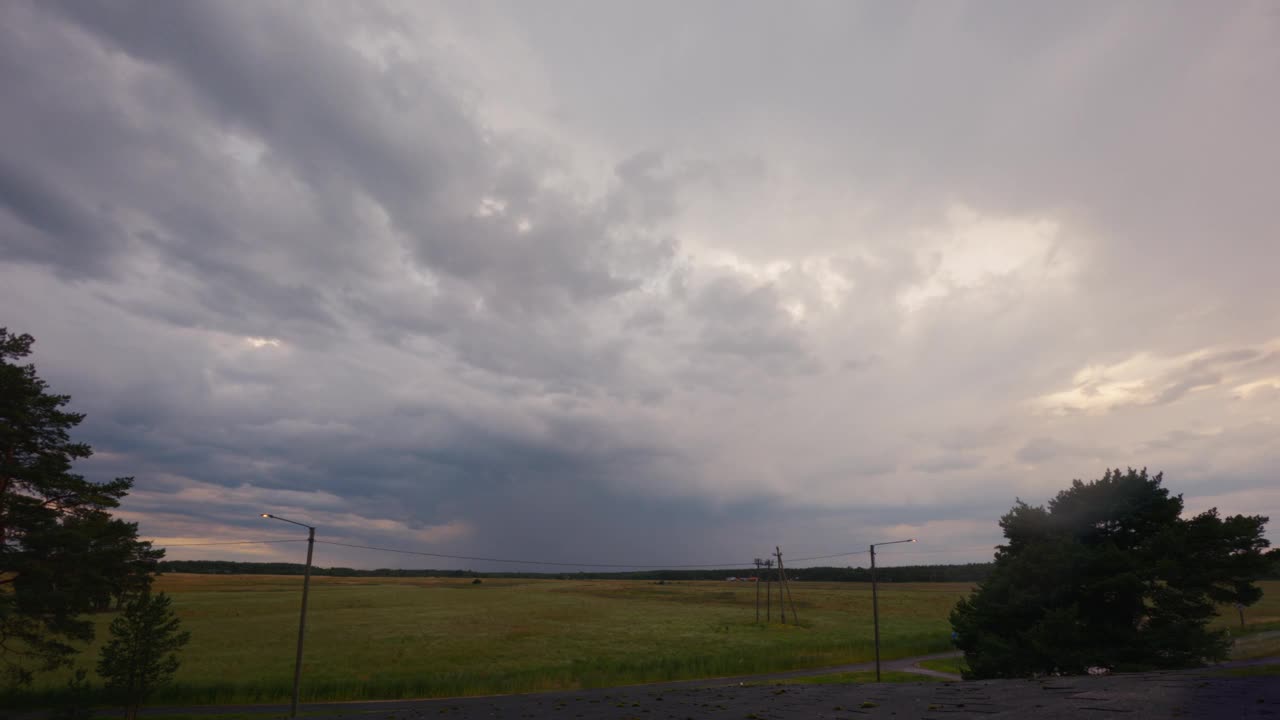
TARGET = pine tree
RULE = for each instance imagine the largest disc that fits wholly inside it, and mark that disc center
(1109, 575)
(59, 546)
(142, 652)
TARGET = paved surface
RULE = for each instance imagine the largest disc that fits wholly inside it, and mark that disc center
(1153, 695)
(1191, 694)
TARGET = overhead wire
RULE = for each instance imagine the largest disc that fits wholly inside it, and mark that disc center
(826, 557)
(550, 563)
(556, 563)
(228, 542)
(951, 550)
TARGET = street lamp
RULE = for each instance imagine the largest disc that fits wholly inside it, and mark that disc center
(875, 600)
(302, 621)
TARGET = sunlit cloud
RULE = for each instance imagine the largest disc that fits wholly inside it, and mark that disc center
(1149, 378)
(259, 342)
(973, 250)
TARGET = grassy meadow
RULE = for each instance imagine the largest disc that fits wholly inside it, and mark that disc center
(378, 638)
(420, 637)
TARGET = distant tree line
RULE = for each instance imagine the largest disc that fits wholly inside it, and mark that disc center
(969, 572)
(972, 572)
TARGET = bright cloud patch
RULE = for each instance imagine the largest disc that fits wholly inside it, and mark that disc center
(260, 342)
(973, 250)
(1150, 379)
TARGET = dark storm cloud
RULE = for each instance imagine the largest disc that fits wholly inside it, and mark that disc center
(227, 261)
(630, 287)
(45, 227)
(273, 77)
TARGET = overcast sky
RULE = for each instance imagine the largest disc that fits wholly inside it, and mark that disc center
(645, 282)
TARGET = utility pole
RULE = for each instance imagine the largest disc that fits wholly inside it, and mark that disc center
(782, 602)
(875, 610)
(302, 624)
(875, 600)
(302, 620)
(768, 591)
(757, 591)
(786, 584)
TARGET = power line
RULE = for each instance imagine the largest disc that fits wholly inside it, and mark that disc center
(533, 562)
(229, 542)
(905, 552)
(950, 550)
(555, 563)
(825, 557)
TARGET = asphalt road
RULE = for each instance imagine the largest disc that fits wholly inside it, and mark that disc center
(1186, 694)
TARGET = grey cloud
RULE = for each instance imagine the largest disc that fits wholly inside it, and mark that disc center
(647, 319)
(948, 463)
(531, 330)
(1226, 357)
(1185, 385)
(1040, 449)
(44, 226)
(1173, 440)
(1019, 109)
(1207, 372)
(969, 438)
(1212, 370)
(359, 142)
(738, 320)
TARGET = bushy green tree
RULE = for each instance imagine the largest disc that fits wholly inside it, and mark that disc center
(1110, 575)
(59, 547)
(142, 653)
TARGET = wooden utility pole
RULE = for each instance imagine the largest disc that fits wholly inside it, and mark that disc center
(782, 573)
(875, 597)
(875, 609)
(768, 591)
(782, 602)
(757, 591)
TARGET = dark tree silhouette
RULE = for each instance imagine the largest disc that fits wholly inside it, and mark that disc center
(142, 653)
(60, 550)
(1110, 575)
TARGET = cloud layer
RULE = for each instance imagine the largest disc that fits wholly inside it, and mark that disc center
(652, 285)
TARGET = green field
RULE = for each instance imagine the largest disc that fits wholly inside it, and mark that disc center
(380, 638)
(418, 637)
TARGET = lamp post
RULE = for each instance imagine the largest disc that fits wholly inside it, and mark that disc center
(302, 621)
(875, 599)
